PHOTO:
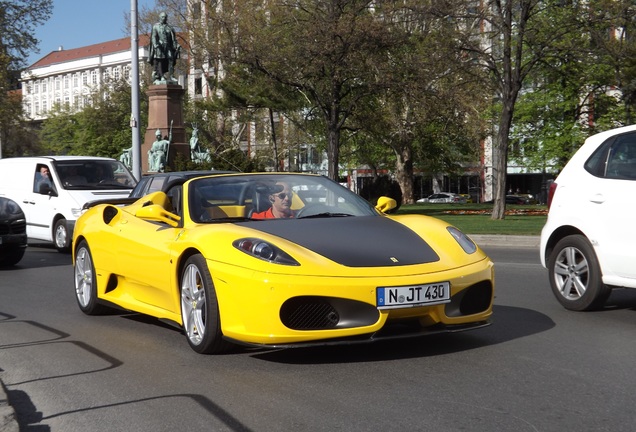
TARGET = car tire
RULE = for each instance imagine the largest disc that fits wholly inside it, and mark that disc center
(575, 275)
(200, 309)
(12, 256)
(61, 237)
(85, 281)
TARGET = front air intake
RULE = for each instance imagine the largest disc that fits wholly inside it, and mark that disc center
(309, 313)
(326, 313)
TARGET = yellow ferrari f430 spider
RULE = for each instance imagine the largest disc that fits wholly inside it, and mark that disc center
(279, 260)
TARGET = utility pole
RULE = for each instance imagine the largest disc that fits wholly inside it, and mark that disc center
(134, 91)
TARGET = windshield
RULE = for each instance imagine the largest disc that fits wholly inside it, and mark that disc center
(272, 196)
(94, 174)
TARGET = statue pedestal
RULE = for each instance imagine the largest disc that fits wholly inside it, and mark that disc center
(165, 107)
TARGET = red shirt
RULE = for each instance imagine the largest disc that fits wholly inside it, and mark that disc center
(269, 214)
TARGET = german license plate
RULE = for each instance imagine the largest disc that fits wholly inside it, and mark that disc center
(411, 296)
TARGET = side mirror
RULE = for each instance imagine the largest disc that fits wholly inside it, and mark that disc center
(46, 189)
(157, 213)
(385, 204)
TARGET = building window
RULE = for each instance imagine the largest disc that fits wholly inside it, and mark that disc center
(94, 77)
(58, 83)
(84, 79)
(198, 86)
(67, 82)
(127, 72)
(75, 80)
(45, 107)
(37, 108)
(44, 86)
(36, 88)
(116, 73)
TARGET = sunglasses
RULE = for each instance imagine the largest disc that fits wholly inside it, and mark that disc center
(283, 195)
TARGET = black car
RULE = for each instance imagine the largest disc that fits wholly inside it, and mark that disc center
(13, 237)
(155, 182)
(514, 199)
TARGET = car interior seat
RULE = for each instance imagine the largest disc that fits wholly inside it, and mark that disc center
(260, 200)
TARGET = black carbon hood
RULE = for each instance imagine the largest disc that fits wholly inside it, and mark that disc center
(365, 241)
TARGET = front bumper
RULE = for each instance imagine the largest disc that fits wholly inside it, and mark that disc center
(292, 310)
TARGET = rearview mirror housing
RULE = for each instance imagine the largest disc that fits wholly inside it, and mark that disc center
(385, 204)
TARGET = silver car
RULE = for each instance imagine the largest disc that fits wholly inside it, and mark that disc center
(444, 197)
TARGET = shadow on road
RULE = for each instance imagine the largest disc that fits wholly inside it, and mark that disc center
(40, 256)
(509, 323)
(621, 299)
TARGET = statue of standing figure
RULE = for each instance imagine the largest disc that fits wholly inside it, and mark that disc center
(126, 157)
(164, 51)
(198, 154)
(158, 153)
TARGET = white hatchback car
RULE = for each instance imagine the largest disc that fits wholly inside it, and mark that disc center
(587, 243)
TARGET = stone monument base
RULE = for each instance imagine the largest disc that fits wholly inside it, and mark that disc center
(165, 113)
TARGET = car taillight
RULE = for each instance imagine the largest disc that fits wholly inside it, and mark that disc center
(551, 191)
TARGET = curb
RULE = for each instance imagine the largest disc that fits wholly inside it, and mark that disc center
(506, 240)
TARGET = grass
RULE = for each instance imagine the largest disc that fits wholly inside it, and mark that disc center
(476, 218)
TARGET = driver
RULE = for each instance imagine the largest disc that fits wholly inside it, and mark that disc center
(281, 204)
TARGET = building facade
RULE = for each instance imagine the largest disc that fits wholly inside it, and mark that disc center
(69, 76)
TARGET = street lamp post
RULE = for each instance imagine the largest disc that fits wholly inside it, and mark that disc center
(134, 91)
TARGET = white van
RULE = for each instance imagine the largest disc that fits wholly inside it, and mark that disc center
(53, 201)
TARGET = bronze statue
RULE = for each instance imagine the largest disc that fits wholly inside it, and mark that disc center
(158, 153)
(197, 153)
(164, 50)
(126, 157)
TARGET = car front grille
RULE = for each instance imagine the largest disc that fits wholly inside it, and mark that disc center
(13, 227)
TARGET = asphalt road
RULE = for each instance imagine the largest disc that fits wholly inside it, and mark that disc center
(537, 368)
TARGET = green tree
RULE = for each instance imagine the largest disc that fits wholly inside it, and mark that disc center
(428, 109)
(584, 87)
(101, 128)
(511, 38)
(325, 51)
(18, 19)
(612, 30)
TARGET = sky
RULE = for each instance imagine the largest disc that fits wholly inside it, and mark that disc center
(77, 23)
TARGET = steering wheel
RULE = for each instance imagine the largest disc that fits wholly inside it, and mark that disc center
(312, 209)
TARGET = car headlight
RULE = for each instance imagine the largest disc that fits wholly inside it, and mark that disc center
(464, 241)
(12, 207)
(264, 250)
